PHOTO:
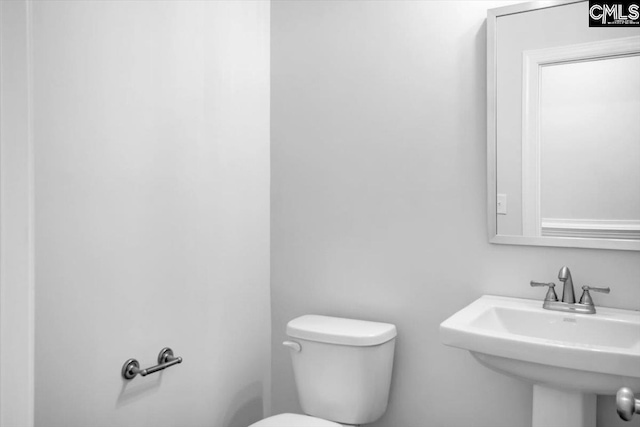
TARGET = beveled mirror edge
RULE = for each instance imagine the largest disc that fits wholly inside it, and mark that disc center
(494, 237)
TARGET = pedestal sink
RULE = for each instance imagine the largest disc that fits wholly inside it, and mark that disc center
(569, 358)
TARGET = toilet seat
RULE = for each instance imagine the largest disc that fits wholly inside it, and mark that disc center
(294, 420)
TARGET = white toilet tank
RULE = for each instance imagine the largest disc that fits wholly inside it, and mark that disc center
(343, 369)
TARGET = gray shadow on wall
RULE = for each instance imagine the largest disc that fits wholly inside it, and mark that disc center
(246, 407)
(133, 390)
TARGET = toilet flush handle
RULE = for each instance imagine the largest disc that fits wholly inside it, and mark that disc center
(293, 345)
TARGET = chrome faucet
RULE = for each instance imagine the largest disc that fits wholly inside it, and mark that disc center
(568, 302)
(564, 275)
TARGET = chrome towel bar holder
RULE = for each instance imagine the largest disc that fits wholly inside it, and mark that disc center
(131, 367)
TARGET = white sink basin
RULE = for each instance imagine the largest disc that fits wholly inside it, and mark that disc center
(576, 355)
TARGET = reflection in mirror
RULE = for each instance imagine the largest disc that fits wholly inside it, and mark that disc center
(590, 149)
(564, 128)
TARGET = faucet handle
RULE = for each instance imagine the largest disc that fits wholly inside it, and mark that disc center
(551, 293)
(586, 296)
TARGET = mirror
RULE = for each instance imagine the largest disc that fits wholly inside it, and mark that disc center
(563, 128)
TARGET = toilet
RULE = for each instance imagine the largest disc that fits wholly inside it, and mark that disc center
(342, 368)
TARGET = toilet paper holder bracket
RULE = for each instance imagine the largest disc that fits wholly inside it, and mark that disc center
(131, 367)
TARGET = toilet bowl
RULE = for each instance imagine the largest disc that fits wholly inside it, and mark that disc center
(294, 420)
(342, 369)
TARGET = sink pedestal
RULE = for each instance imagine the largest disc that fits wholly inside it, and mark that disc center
(554, 407)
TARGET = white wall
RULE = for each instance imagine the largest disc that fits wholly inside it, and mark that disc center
(16, 236)
(151, 142)
(379, 200)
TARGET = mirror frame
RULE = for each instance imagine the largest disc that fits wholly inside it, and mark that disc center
(494, 237)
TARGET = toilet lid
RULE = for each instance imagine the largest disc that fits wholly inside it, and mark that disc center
(294, 420)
